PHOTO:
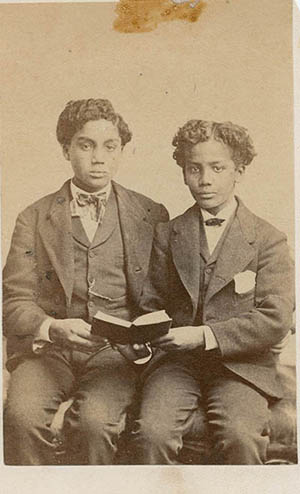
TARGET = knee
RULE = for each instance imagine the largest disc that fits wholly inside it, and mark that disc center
(235, 435)
(160, 435)
(22, 416)
(96, 420)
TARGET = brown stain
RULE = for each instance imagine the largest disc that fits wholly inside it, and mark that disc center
(140, 16)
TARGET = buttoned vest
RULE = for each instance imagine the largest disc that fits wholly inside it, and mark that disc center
(100, 279)
(207, 266)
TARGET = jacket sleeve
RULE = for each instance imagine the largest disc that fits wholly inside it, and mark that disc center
(156, 287)
(21, 313)
(257, 330)
(159, 214)
(163, 214)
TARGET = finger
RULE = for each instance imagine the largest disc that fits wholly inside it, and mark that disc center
(97, 338)
(138, 346)
(85, 333)
(83, 342)
(127, 352)
(80, 324)
(142, 352)
(162, 340)
(167, 347)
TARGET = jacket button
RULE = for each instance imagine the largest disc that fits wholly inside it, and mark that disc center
(138, 269)
(208, 270)
(91, 304)
(91, 253)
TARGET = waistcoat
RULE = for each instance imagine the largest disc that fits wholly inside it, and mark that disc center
(100, 279)
(207, 265)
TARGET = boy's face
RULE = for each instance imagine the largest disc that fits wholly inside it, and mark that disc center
(94, 153)
(211, 175)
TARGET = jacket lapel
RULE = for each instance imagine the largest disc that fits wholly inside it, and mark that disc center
(204, 251)
(185, 245)
(235, 252)
(137, 234)
(56, 234)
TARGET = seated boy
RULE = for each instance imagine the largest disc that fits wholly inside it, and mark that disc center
(83, 248)
(225, 277)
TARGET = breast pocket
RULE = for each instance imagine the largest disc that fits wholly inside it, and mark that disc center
(245, 300)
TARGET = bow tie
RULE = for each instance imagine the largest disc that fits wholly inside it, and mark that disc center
(92, 203)
(214, 222)
(87, 199)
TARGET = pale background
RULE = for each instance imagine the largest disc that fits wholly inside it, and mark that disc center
(238, 58)
(234, 64)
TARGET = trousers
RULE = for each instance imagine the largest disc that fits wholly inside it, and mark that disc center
(187, 402)
(104, 387)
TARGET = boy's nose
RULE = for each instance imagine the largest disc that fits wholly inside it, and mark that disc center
(97, 157)
(205, 178)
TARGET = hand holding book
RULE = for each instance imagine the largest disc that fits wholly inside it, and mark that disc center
(139, 353)
(142, 330)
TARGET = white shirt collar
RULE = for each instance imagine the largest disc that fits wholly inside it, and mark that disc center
(75, 190)
(225, 213)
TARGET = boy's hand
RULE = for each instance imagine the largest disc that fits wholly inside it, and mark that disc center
(181, 339)
(132, 352)
(74, 334)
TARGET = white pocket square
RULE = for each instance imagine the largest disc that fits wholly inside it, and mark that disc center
(244, 282)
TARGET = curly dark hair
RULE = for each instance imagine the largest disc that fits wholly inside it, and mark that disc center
(234, 136)
(77, 113)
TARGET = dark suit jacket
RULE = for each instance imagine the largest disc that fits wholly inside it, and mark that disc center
(42, 245)
(246, 325)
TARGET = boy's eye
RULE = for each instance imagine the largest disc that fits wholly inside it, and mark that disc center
(85, 146)
(110, 147)
(194, 169)
(218, 168)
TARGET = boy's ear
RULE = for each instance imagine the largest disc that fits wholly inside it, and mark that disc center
(240, 172)
(183, 173)
(66, 152)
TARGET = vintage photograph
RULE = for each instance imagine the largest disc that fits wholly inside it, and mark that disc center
(148, 241)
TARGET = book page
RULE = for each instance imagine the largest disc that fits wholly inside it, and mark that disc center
(101, 316)
(152, 318)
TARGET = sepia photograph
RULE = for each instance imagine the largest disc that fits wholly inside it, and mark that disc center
(148, 243)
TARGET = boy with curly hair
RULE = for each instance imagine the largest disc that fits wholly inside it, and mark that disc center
(83, 248)
(226, 279)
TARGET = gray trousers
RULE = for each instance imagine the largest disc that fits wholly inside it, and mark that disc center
(200, 404)
(182, 403)
(104, 386)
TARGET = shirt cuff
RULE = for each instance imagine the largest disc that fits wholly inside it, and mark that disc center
(210, 342)
(42, 339)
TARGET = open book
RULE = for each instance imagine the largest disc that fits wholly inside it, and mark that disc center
(142, 329)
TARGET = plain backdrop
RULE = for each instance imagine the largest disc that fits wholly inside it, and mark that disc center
(234, 64)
